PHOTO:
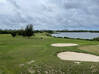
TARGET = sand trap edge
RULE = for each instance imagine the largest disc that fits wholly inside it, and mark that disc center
(64, 44)
(75, 56)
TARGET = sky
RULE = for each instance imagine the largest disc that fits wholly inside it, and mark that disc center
(50, 14)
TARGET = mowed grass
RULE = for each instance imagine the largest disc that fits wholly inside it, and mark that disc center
(21, 55)
(91, 48)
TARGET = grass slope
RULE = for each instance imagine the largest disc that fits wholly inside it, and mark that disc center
(35, 56)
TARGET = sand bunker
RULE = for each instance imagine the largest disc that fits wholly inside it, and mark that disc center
(63, 44)
(74, 56)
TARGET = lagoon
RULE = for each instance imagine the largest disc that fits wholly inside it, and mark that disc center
(81, 35)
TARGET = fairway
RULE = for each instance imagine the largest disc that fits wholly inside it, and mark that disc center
(21, 55)
(90, 48)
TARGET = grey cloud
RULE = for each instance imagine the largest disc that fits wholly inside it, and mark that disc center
(50, 14)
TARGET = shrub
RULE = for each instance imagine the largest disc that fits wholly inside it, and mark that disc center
(13, 34)
(96, 39)
(21, 32)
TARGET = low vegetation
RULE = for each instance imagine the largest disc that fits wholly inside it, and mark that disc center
(27, 32)
(21, 55)
(13, 34)
(96, 39)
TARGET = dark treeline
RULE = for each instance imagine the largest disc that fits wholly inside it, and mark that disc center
(8, 31)
(48, 32)
(76, 31)
(27, 32)
(54, 31)
(20, 31)
(41, 31)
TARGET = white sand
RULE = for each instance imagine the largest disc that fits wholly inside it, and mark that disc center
(30, 62)
(63, 44)
(74, 56)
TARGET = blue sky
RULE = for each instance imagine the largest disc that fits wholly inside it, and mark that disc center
(50, 14)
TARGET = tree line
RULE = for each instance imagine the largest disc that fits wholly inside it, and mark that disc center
(27, 32)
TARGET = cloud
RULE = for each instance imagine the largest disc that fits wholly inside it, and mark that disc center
(51, 14)
(2, 1)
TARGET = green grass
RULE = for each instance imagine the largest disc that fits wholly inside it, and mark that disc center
(91, 48)
(14, 52)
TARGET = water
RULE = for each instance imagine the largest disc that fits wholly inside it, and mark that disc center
(81, 35)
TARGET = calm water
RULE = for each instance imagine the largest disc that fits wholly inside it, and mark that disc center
(81, 35)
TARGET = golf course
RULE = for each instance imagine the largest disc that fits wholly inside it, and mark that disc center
(39, 55)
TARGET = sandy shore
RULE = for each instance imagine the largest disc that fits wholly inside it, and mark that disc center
(63, 44)
(74, 56)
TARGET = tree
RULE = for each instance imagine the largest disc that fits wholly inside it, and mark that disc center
(29, 31)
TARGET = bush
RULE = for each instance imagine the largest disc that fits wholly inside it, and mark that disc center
(21, 32)
(13, 34)
(96, 39)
